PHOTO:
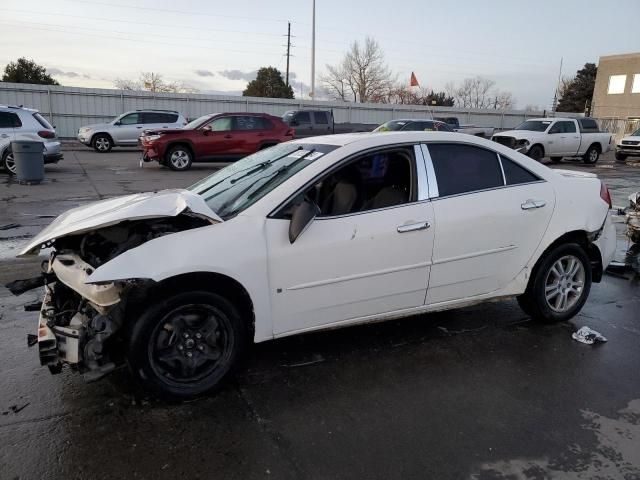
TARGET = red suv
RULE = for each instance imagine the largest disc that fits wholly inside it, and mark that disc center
(214, 137)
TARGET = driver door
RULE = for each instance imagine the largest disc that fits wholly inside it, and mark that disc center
(366, 256)
(129, 129)
(219, 140)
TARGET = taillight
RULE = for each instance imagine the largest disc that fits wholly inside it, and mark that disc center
(46, 134)
(604, 194)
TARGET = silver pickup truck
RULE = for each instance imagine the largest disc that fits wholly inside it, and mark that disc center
(557, 138)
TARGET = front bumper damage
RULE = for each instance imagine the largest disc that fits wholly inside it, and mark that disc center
(77, 320)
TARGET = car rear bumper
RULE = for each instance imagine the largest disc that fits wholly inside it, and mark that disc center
(53, 158)
(606, 242)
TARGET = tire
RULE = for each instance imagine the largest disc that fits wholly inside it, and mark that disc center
(556, 159)
(186, 344)
(621, 157)
(550, 305)
(536, 153)
(591, 156)
(8, 162)
(102, 143)
(179, 158)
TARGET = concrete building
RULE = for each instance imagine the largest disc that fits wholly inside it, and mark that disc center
(617, 91)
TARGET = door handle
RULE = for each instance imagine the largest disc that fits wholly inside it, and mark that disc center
(412, 227)
(532, 204)
(260, 134)
(138, 127)
(228, 136)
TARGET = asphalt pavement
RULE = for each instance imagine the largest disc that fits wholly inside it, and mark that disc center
(481, 392)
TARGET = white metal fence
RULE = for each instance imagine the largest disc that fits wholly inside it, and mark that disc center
(69, 108)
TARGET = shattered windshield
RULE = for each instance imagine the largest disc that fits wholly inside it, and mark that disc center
(534, 125)
(241, 184)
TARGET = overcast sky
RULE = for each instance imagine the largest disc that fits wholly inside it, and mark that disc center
(215, 45)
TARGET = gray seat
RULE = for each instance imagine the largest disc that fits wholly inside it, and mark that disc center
(341, 200)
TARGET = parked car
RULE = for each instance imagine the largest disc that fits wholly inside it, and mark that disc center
(454, 123)
(414, 125)
(629, 146)
(557, 138)
(19, 123)
(310, 123)
(125, 129)
(214, 137)
(310, 235)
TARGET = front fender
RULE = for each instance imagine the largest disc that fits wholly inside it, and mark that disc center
(235, 248)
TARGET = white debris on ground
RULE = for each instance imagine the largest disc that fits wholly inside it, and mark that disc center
(588, 336)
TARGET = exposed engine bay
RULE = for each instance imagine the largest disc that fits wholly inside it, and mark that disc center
(80, 323)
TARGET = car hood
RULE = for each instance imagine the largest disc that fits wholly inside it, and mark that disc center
(520, 134)
(632, 138)
(164, 203)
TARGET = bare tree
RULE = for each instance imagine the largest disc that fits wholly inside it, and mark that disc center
(153, 82)
(362, 74)
(479, 92)
(503, 101)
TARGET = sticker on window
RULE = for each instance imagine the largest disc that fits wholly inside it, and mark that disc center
(310, 156)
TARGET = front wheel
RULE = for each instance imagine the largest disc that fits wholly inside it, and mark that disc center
(186, 344)
(9, 162)
(559, 286)
(592, 155)
(620, 157)
(536, 153)
(179, 158)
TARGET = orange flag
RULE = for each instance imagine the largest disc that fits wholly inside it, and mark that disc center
(414, 81)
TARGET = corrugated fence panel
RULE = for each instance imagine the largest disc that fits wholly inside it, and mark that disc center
(69, 108)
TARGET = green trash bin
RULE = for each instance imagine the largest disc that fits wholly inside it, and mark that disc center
(29, 158)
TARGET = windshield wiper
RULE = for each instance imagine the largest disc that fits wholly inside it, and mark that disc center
(279, 172)
(252, 170)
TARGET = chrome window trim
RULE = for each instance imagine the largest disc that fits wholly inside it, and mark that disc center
(432, 182)
(504, 179)
(421, 172)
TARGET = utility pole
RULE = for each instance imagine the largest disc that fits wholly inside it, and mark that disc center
(288, 49)
(313, 51)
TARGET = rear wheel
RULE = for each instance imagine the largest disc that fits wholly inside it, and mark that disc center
(179, 158)
(592, 155)
(621, 157)
(8, 162)
(102, 143)
(559, 286)
(536, 152)
(556, 159)
(186, 344)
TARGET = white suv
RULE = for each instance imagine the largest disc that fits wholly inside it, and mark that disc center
(19, 123)
(125, 129)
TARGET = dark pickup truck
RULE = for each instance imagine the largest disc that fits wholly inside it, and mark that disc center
(311, 123)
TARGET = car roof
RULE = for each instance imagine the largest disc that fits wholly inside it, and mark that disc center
(18, 107)
(415, 120)
(383, 138)
(551, 119)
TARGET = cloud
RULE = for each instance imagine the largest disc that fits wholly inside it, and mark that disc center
(205, 73)
(239, 75)
(62, 73)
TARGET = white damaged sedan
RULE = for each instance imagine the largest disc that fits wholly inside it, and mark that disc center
(307, 235)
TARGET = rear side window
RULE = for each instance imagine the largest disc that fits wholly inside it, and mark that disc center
(419, 127)
(514, 174)
(42, 121)
(158, 117)
(464, 168)
(251, 123)
(588, 124)
(9, 120)
(321, 118)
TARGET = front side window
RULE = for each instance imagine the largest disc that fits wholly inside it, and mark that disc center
(376, 180)
(514, 174)
(616, 84)
(193, 124)
(222, 124)
(443, 127)
(131, 119)
(464, 168)
(303, 117)
(238, 186)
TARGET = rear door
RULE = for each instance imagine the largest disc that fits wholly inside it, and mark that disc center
(490, 215)
(321, 123)
(303, 124)
(157, 120)
(129, 129)
(251, 131)
(568, 138)
(8, 121)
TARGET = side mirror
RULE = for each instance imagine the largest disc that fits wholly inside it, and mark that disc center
(118, 123)
(302, 216)
(206, 129)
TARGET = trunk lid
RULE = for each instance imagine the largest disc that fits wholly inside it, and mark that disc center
(164, 203)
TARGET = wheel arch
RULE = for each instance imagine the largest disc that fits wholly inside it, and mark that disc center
(580, 237)
(541, 147)
(185, 143)
(596, 145)
(107, 134)
(213, 282)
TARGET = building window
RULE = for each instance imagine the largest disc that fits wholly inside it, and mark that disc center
(616, 83)
(635, 88)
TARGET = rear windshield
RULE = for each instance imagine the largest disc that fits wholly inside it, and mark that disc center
(42, 121)
(534, 125)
